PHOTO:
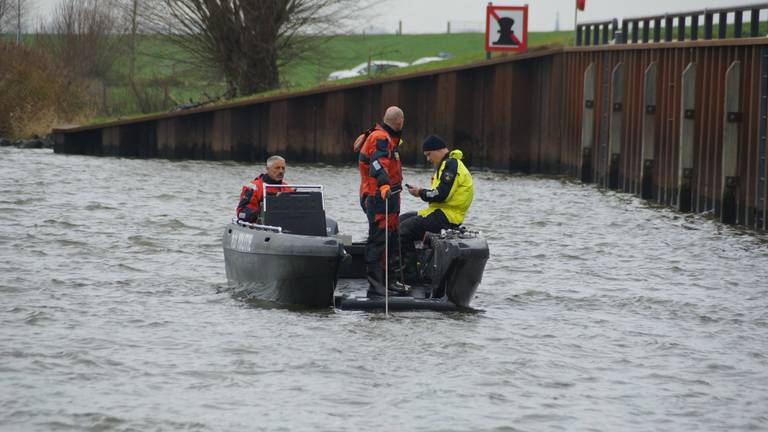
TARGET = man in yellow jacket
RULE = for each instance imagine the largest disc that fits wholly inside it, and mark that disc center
(449, 198)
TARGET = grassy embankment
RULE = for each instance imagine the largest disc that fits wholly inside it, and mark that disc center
(163, 68)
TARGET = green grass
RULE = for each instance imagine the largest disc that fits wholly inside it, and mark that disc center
(163, 68)
(349, 51)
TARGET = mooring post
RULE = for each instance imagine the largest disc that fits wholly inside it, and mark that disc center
(687, 127)
(614, 142)
(587, 124)
(649, 131)
(731, 121)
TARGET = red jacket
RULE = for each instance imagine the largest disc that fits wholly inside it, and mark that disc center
(252, 194)
(379, 161)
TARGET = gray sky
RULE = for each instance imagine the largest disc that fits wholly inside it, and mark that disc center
(430, 16)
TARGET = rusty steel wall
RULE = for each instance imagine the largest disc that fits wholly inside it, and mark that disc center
(523, 113)
(709, 119)
(493, 111)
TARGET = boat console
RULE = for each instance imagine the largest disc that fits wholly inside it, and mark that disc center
(299, 211)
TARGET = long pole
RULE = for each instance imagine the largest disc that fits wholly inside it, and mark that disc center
(575, 24)
(386, 256)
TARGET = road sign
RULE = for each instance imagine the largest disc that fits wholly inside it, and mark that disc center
(506, 28)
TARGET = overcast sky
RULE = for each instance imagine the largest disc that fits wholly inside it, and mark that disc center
(431, 16)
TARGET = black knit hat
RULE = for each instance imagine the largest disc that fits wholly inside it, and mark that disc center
(433, 142)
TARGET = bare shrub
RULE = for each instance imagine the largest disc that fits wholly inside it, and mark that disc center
(34, 94)
(85, 37)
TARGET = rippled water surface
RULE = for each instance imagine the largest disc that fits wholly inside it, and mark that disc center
(598, 312)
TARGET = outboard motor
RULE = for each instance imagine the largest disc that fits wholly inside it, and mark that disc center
(452, 264)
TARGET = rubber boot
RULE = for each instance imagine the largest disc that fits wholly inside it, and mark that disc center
(376, 285)
(375, 282)
(410, 272)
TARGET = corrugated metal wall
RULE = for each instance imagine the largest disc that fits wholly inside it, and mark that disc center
(709, 118)
(525, 113)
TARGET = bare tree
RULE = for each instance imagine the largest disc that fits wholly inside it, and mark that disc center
(135, 12)
(5, 7)
(14, 15)
(85, 36)
(248, 41)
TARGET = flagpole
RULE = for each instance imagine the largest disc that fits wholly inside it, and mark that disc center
(575, 23)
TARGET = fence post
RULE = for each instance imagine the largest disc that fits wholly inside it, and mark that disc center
(635, 30)
(579, 34)
(587, 124)
(707, 25)
(694, 27)
(687, 128)
(614, 143)
(649, 131)
(722, 25)
(646, 30)
(754, 24)
(731, 120)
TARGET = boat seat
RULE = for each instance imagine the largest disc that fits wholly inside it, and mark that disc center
(296, 212)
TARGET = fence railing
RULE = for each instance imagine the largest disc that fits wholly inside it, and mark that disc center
(703, 24)
(596, 32)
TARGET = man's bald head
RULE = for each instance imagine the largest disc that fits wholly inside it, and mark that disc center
(394, 118)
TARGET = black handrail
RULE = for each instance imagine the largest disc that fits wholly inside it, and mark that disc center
(638, 29)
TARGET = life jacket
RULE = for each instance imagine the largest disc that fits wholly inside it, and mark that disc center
(251, 195)
(459, 198)
(380, 150)
(363, 164)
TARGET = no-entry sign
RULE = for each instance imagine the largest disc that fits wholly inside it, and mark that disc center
(506, 28)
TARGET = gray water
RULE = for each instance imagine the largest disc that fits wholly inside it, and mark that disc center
(598, 312)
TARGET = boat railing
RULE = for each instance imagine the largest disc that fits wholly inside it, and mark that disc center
(271, 228)
(296, 188)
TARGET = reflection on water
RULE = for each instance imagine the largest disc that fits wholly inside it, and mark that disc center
(599, 312)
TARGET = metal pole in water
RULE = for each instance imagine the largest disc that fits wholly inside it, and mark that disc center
(386, 256)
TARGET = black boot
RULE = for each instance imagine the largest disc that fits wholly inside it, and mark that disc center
(376, 286)
(410, 272)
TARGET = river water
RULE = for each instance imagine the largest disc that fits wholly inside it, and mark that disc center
(597, 312)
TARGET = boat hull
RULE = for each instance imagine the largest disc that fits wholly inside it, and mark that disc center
(283, 268)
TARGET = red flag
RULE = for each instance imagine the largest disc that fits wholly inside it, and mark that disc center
(580, 4)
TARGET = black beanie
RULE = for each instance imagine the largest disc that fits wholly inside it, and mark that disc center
(433, 142)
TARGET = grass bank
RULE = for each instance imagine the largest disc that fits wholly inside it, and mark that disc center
(166, 74)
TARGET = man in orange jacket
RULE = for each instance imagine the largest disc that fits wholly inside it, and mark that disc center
(380, 183)
(253, 192)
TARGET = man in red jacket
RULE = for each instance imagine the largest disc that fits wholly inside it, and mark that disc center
(380, 181)
(253, 192)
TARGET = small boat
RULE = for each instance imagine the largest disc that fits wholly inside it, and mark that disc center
(295, 256)
(288, 257)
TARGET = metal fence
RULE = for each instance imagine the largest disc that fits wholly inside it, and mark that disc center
(706, 24)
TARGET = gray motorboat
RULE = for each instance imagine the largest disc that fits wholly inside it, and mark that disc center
(288, 256)
(295, 256)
